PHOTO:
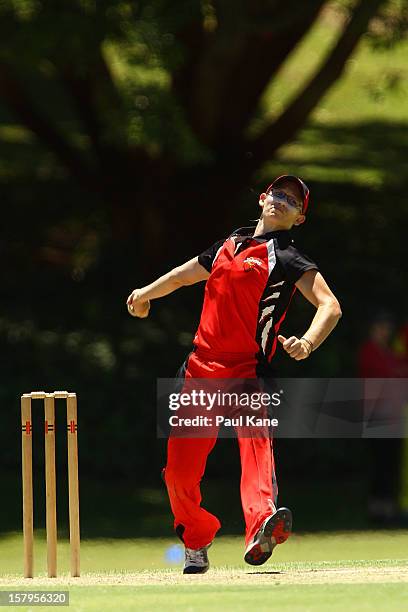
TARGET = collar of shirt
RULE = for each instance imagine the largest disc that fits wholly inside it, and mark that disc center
(284, 237)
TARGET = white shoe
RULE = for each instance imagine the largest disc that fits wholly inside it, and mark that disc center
(196, 560)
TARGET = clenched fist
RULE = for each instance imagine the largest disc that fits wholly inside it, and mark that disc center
(136, 306)
(297, 348)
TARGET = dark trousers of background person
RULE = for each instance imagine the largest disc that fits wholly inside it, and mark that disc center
(385, 485)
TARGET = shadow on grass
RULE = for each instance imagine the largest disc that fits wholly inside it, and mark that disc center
(377, 147)
(250, 573)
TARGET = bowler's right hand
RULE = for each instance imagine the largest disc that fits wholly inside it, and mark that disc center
(137, 307)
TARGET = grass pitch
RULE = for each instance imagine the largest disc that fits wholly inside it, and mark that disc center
(342, 571)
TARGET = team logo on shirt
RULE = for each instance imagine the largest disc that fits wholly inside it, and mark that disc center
(251, 262)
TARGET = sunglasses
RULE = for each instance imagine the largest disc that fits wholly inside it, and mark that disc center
(281, 195)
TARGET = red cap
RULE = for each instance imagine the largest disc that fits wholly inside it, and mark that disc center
(294, 179)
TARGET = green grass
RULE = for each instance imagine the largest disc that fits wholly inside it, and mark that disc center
(140, 578)
(149, 553)
(302, 598)
(373, 85)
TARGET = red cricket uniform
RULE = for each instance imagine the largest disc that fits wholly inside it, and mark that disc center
(375, 361)
(251, 283)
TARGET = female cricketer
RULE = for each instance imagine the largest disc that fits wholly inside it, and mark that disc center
(251, 277)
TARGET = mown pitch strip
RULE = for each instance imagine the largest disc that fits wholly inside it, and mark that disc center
(319, 573)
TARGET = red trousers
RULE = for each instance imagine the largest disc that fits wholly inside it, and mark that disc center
(187, 457)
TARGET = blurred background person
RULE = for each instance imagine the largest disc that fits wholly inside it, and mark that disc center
(378, 359)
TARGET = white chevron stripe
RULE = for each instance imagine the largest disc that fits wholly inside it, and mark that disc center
(271, 297)
(265, 334)
(266, 312)
(271, 255)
